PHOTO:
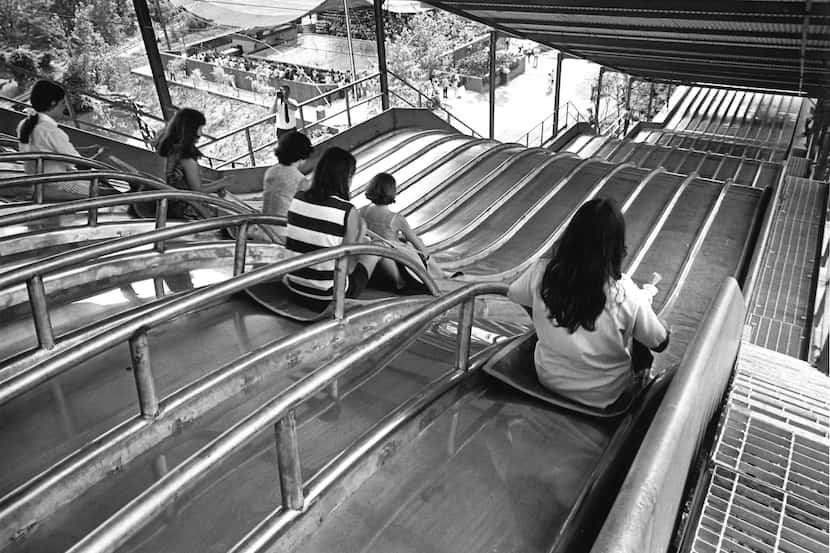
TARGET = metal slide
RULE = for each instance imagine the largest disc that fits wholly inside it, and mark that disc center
(470, 469)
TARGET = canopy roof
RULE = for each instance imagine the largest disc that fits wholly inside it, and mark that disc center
(769, 44)
(247, 14)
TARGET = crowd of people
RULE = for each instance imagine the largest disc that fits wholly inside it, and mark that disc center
(595, 327)
(267, 69)
(362, 23)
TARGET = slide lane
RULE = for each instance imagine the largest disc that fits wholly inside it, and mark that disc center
(500, 221)
(488, 212)
(43, 425)
(246, 488)
(533, 233)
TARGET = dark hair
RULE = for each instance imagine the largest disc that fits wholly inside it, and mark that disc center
(293, 146)
(180, 136)
(332, 175)
(587, 257)
(381, 189)
(44, 96)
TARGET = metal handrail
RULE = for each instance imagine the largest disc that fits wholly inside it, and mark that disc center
(270, 118)
(40, 157)
(38, 498)
(421, 95)
(280, 413)
(94, 177)
(568, 106)
(64, 208)
(644, 512)
(32, 275)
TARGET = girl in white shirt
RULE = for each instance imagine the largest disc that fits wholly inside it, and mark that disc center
(39, 132)
(592, 321)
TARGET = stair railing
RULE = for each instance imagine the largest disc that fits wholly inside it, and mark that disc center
(424, 101)
(354, 93)
(135, 331)
(568, 114)
(279, 414)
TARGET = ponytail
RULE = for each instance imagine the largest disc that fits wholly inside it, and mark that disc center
(24, 131)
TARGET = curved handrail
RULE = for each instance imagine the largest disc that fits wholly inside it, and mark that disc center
(280, 412)
(64, 481)
(94, 177)
(74, 206)
(52, 156)
(644, 512)
(136, 331)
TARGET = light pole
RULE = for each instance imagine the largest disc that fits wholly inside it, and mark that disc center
(349, 38)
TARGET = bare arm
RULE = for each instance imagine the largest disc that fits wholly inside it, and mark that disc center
(355, 228)
(194, 178)
(411, 236)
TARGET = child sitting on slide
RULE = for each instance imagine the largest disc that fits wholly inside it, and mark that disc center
(393, 228)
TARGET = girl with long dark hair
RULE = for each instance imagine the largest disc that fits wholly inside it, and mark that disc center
(591, 320)
(323, 217)
(177, 145)
(39, 132)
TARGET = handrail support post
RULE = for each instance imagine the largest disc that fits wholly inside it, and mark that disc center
(40, 312)
(161, 222)
(92, 214)
(250, 146)
(142, 371)
(341, 271)
(465, 326)
(240, 250)
(288, 462)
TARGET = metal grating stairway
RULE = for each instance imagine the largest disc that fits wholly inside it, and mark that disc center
(781, 309)
(769, 487)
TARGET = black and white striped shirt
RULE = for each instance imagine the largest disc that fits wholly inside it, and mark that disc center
(314, 225)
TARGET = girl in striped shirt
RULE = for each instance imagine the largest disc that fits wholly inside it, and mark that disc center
(323, 217)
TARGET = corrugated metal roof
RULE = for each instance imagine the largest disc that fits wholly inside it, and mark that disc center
(780, 45)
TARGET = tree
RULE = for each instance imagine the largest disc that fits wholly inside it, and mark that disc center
(419, 50)
(89, 61)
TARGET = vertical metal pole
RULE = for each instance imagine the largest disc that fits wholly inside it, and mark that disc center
(599, 95)
(158, 287)
(145, 25)
(628, 104)
(349, 38)
(380, 38)
(288, 462)
(163, 25)
(39, 193)
(465, 326)
(40, 312)
(250, 146)
(72, 115)
(142, 371)
(542, 134)
(240, 250)
(650, 101)
(161, 222)
(341, 271)
(348, 111)
(492, 64)
(92, 214)
(302, 117)
(556, 92)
